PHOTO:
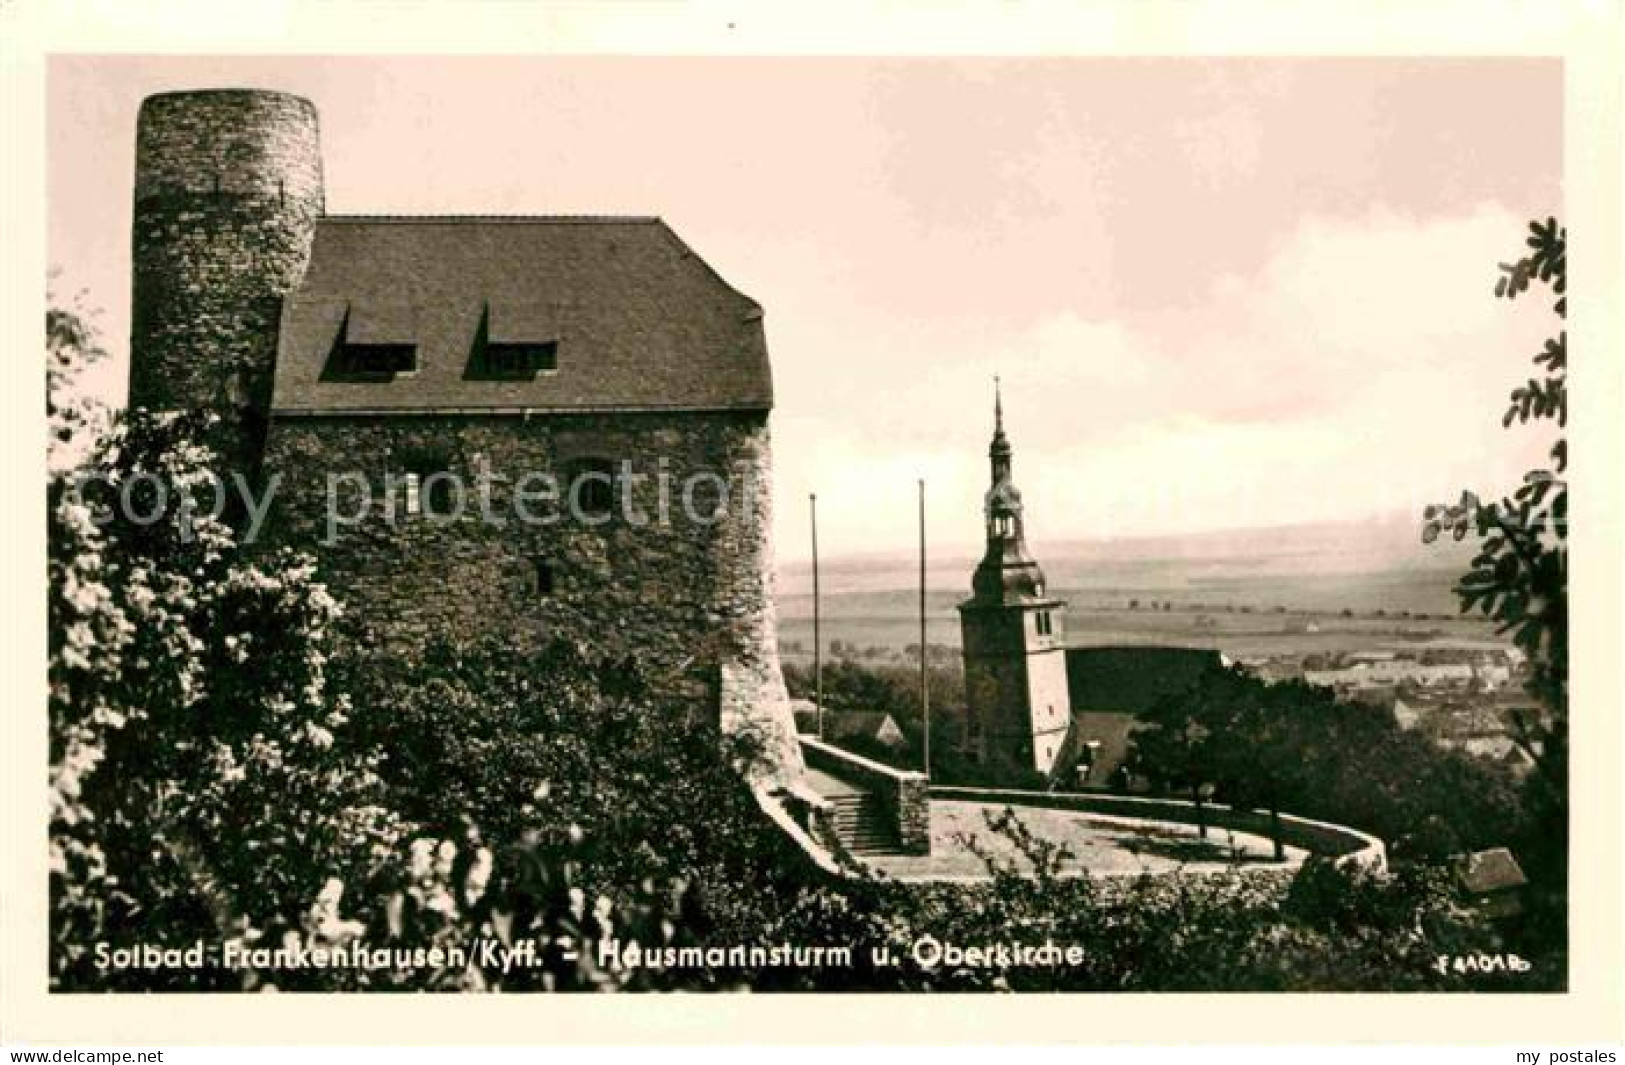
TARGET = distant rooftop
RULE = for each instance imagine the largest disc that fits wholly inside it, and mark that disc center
(1491, 870)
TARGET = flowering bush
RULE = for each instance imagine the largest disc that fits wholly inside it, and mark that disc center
(201, 787)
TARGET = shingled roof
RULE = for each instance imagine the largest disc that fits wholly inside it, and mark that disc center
(1132, 679)
(640, 321)
(1107, 687)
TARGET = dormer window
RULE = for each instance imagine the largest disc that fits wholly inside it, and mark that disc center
(511, 349)
(375, 342)
(374, 361)
(521, 361)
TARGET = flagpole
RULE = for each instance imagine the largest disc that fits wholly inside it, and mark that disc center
(818, 642)
(925, 685)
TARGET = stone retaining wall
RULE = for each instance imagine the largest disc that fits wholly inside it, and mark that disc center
(1346, 845)
(905, 793)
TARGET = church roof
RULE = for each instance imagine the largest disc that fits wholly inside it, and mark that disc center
(1109, 686)
(1007, 575)
(1132, 679)
(639, 321)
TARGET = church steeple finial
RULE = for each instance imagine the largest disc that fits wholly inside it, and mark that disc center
(999, 451)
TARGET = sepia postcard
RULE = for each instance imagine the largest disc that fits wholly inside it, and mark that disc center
(1032, 505)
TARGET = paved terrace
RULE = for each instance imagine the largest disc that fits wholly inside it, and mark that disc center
(1104, 845)
(1107, 834)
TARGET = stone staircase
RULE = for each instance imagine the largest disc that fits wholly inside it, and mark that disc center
(862, 823)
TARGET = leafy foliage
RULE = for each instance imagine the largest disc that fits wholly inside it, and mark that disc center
(1293, 746)
(1519, 577)
(74, 420)
(482, 733)
(201, 781)
(853, 685)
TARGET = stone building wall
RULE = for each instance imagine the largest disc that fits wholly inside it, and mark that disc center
(1016, 685)
(228, 187)
(690, 597)
(995, 699)
(1050, 707)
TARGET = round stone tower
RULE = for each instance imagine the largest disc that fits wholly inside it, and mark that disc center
(228, 188)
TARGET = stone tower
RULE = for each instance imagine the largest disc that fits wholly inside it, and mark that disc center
(1018, 709)
(228, 189)
(366, 348)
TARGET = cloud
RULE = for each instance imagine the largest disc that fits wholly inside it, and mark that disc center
(1361, 370)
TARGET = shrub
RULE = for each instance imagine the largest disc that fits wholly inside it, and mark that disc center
(202, 783)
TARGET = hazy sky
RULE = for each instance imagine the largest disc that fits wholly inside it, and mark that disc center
(1221, 293)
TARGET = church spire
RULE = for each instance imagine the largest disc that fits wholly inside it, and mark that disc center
(999, 452)
(1007, 571)
(1003, 502)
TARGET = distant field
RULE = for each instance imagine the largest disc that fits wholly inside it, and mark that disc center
(1276, 634)
(1240, 635)
(1238, 603)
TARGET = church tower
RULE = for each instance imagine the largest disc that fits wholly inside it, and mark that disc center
(1018, 709)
